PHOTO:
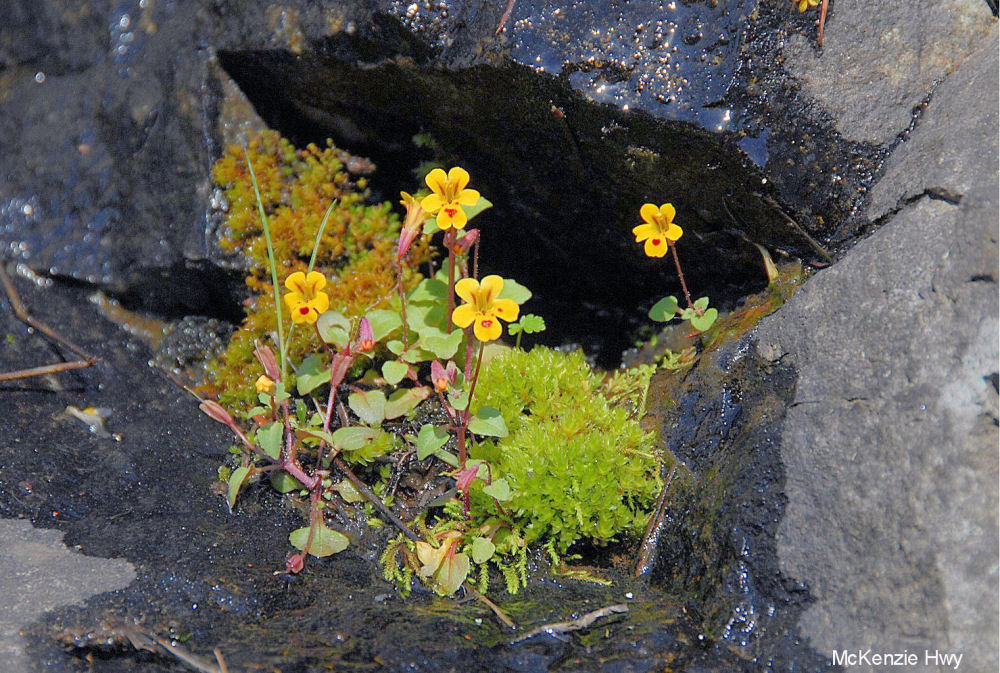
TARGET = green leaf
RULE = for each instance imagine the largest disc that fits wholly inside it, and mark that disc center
(348, 492)
(452, 573)
(256, 411)
(395, 346)
(312, 373)
(334, 328)
(352, 438)
(429, 290)
(403, 402)
(529, 324)
(703, 322)
(701, 303)
(664, 310)
(447, 457)
(477, 207)
(269, 439)
(416, 354)
(394, 371)
(236, 480)
(514, 291)
(384, 322)
(325, 541)
(488, 423)
(315, 432)
(430, 439)
(499, 489)
(482, 550)
(459, 399)
(369, 406)
(443, 347)
(285, 483)
(430, 226)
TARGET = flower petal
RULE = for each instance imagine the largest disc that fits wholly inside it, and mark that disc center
(467, 197)
(644, 231)
(674, 232)
(320, 303)
(432, 203)
(487, 328)
(292, 300)
(668, 212)
(315, 281)
(463, 315)
(648, 213)
(296, 282)
(435, 180)
(459, 178)
(491, 287)
(443, 221)
(458, 217)
(656, 246)
(506, 309)
(467, 289)
(304, 313)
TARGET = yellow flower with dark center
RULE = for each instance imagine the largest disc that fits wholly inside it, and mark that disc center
(659, 230)
(806, 4)
(306, 300)
(483, 310)
(448, 196)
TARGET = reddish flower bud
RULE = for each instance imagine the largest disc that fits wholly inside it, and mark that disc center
(215, 411)
(266, 357)
(366, 338)
(464, 244)
(443, 378)
(295, 564)
(464, 478)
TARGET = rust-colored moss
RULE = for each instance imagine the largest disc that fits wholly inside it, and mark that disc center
(355, 253)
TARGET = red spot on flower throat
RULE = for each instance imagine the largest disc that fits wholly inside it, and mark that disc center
(304, 310)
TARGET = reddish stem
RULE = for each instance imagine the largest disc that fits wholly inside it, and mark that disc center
(680, 274)
(449, 242)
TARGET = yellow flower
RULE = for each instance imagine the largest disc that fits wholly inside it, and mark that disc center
(448, 197)
(659, 230)
(483, 308)
(306, 301)
(265, 385)
(806, 4)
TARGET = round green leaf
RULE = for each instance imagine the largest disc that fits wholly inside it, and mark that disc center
(269, 439)
(369, 406)
(285, 483)
(325, 542)
(430, 439)
(664, 310)
(703, 322)
(352, 438)
(488, 423)
(482, 550)
(334, 328)
(236, 480)
(499, 489)
(394, 371)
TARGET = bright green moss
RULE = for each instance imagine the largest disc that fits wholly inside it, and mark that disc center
(580, 465)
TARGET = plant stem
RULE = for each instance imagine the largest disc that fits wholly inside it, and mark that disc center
(449, 242)
(402, 304)
(475, 380)
(363, 489)
(270, 261)
(680, 274)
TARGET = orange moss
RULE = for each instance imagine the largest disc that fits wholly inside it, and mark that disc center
(355, 252)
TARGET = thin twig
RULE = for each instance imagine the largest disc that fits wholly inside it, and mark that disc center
(581, 623)
(363, 489)
(815, 245)
(653, 528)
(22, 315)
(506, 15)
(46, 369)
(501, 615)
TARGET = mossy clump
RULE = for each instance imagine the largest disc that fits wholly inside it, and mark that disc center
(578, 462)
(356, 251)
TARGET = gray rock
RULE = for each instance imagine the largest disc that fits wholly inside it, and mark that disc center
(890, 444)
(954, 148)
(39, 573)
(879, 60)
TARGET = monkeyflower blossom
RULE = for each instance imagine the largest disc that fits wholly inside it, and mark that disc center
(806, 4)
(265, 385)
(306, 300)
(483, 308)
(443, 377)
(366, 337)
(659, 230)
(448, 196)
(412, 224)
